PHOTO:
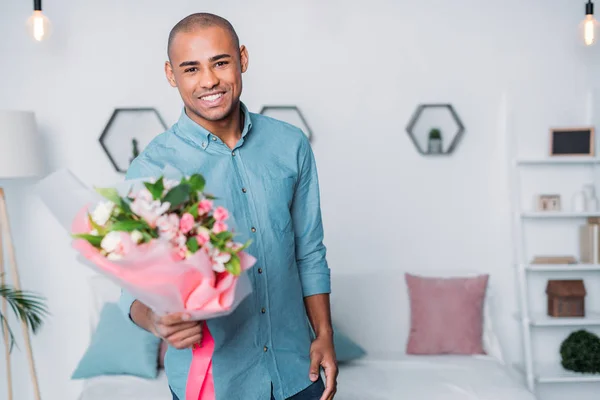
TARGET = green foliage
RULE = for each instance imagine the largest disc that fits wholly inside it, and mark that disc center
(435, 133)
(580, 352)
(177, 196)
(27, 307)
(156, 189)
(234, 265)
(94, 240)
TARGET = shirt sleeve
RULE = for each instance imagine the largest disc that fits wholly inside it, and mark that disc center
(139, 168)
(308, 227)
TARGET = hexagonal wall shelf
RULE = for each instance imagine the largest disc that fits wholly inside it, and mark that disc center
(289, 114)
(128, 132)
(435, 129)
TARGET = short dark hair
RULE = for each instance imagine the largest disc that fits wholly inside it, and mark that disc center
(198, 21)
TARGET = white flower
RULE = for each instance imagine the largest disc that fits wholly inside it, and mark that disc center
(168, 226)
(102, 212)
(112, 243)
(181, 240)
(136, 236)
(169, 184)
(114, 256)
(150, 210)
(94, 232)
(219, 260)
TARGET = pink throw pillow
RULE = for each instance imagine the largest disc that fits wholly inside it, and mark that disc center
(446, 314)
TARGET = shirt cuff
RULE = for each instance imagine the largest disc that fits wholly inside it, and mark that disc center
(125, 302)
(315, 283)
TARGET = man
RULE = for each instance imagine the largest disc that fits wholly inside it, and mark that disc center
(264, 172)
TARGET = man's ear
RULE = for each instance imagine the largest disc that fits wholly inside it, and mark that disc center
(243, 58)
(170, 75)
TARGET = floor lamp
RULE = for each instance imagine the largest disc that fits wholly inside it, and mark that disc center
(20, 157)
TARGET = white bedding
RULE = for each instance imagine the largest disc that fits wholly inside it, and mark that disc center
(407, 378)
(124, 387)
(445, 377)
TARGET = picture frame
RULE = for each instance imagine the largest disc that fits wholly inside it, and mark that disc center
(548, 202)
(572, 141)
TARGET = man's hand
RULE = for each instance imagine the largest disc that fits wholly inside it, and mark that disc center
(322, 354)
(177, 330)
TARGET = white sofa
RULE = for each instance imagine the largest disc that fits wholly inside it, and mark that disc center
(373, 310)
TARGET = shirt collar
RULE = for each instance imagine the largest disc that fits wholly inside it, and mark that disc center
(199, 135)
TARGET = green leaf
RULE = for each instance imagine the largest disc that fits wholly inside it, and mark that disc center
(156, 189)
(192, 244)
(125, 206)
(193, 209)
(197, 182)
(28, 307)
(92, 239)
(177, 196)
(147, 236)
(110, 194)
(234, 266)
(129, 226)
(224, 236)
(221, 238)
(245, 245)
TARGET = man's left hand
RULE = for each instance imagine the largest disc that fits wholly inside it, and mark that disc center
(322, 354)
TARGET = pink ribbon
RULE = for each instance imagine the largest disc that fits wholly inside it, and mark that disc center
(200, 384)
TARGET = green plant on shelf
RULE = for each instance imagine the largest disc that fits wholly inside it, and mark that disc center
(435, 141)
(435, 133)
(580, 352)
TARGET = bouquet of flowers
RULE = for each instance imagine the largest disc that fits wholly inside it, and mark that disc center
(164, 241)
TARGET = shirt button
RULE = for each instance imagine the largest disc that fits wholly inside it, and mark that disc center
(233, 153)
(263, 310)
(260, 270)
(214, 138)
(265, 349)
(203, 145)
(244, 190)
(253, 229)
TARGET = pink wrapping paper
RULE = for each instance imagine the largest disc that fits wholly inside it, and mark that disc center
(166, 285)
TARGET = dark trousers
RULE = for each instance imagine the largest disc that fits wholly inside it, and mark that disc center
(313, 392)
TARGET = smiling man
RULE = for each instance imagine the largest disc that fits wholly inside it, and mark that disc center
(264, 172)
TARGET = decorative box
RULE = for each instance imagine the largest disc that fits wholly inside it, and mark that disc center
(566, 298)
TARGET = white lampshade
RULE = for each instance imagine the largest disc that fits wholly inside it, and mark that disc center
(20, 145)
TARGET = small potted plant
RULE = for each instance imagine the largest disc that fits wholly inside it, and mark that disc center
(435, 141)
(580, 352)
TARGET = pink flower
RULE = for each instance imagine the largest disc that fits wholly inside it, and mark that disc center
(203, 236)
(186, 223)
(219, 227)
(221, 214)
(168, 226)
(205, 206)
(179, 253)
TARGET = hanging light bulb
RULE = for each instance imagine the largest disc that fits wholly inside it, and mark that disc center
(38, 25)
(589, 25)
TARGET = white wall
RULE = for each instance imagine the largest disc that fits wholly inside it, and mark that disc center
(357, 70)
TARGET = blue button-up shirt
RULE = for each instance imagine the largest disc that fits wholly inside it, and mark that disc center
(269, 184)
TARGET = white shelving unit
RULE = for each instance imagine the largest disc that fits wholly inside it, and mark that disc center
(536, 373)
